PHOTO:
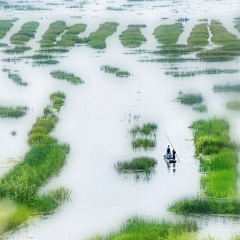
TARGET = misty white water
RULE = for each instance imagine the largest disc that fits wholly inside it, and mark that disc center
(97, 116)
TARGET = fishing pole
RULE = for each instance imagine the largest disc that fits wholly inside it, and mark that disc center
(172, 145)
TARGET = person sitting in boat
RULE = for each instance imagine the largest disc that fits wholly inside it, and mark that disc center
(168, 150)
(173, 154)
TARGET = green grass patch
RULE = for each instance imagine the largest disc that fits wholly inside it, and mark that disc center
(66, 76)
(53, 50)
(5, 26)
(230, 45)
(117, 71)
(27, 32)
(45, 62)
(54, 30)
(58, 100)
(17, 79)
(97, 39)
(200, 108)
(190, 99)
(199, 35)
(17, 50)
(70, 38)
(234, 105)
(11, 112)
(137, 164)
(226, 88)
(168, 34)
(137, 228)
(132, 37)
(39, 56)
(143, 143)
(146, 129)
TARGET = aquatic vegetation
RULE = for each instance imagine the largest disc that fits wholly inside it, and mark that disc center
(13, 112)
(132, 37)
(27, 32)
(66, 76)
(97, 39)
(146, 129)
(237, 25)
(137, 164)
(226, 88)
(54, 30)
(168, 34)
(5, 26)
(190, 99)
(234, 105)
(58, 99)
(45, 62)
(169, 60)
(53, 50)
(199, 35)
(17, 79)
(62, 194)
(70, 37)
(17, 50)
(230, 44)
(11, 59)
(200, 108)
(39, 56)
(143, 143)
(117, 71)
(137, 228)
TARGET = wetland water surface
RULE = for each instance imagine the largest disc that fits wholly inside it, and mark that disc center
(98, 115)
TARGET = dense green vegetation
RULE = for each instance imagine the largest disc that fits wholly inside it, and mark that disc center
(117, 71)
(199, 35)
(66, 76)
(13, 112)
(97, 39)
(141, 229)
(54, 30)
(234, 105)
(5, 26)
(168, 34)
(230, 44)
(143, 143)
(137, 164)
(190, 99)
(70, 37)
(17, 50)
(25, 34)
(226, 88)
(45, 159)
(132, 37)
(17, 79)
(146, 129)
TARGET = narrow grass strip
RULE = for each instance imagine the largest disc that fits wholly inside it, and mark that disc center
(143, 143)
(17, 79)
(132, 37)
(117, 71)
(13, 112)
(199, 35)
(5, 26)
(17, 50)
(97, 39)
(146, 129)
(66, 76)
(190, 99)
(226, 88)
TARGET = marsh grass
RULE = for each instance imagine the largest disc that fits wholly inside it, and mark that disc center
(146, 129)
(53, 50)
(226, 88)
(168, 34)
(132, 37)
(45, 62)
(17, 50)
(58, 100)
(142, 229)
(200, 108)
(237, 25)
(97, 39)
(66, 76)
(137, 164)
(62, 194)
(11, 112)
(190, 99)
(27, 32)
(17, 79)
(5, 26)
(143, 143)
(70, 38)
(117, 71)
(54, 30)
(199, 35)
(39, 56)
(234, 105)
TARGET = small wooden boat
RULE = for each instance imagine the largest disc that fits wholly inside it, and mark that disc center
(169, 159)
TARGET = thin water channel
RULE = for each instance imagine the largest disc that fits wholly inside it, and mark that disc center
(98, 115)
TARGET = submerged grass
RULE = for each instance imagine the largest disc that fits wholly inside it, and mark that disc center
(66, 76)
(137, 228)
(137, 164)
(132, 37)
(234, 105)
(117, 71)
(17, 50)
(12, 112)
(226, 88)
(97, 39)
(27, 32)
(146, 129)
(143, 143)
(200, 108)
(17, 79)
(5, 26)
(190, 99)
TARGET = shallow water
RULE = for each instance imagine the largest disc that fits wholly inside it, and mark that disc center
(99, 114)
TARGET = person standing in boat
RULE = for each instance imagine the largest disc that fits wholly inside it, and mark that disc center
(168, 150)
(173, 153)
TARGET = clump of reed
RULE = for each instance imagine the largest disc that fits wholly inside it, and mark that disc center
(146, 129)
(54, 30)
(200, 108)
(97, 39)
(5, 26)
(45, 62)
(199, 35)
(17, 79)
(132, 37)
(190, 99)
(230, 44)
(137, 164)
(17, 50)
(53, 50)
(168, 34)
(39, 56)
(234, 105)
(70, 37)
(117, 71)
(58, 100)
(27, 32)
(139, 228)
(143, 143)
(66, 76)
(12, 112)
(61, 194)
(226, 88)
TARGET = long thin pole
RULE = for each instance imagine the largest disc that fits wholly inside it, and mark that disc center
(171, 145)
